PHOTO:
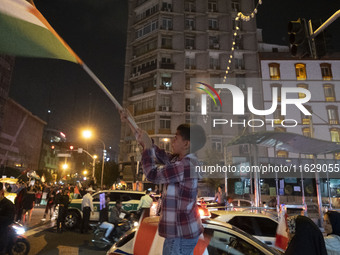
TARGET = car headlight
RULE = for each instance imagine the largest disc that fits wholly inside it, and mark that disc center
(19, 229)
(135, 224)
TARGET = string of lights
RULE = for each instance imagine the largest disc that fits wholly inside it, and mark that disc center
(243, 17)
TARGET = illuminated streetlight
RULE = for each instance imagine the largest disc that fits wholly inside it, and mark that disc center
(85, 172)
(65, 166)
(88, 134)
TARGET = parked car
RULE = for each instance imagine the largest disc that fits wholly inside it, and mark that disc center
(130, 201)
(261, 226)
(218, 238)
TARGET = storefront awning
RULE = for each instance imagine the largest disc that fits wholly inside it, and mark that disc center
(288, 142)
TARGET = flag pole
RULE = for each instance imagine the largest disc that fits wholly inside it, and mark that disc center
(108, 93)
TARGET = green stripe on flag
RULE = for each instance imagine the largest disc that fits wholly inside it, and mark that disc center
(20, 38)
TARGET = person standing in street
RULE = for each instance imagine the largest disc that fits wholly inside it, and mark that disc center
(87, 208)
(145, 203)
(62, 200)
(7, 212)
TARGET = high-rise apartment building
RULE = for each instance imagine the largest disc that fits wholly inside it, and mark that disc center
(172, 42)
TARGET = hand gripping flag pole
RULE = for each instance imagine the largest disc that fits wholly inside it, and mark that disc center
(25, 32)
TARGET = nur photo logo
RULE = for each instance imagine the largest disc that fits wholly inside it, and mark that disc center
(204, 96)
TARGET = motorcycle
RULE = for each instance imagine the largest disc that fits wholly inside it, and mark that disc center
(17, 242)
(99, 233)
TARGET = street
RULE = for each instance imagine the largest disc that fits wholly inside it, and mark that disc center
(44, 239)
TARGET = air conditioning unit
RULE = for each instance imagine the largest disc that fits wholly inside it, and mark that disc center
(190, 28)
(189, 47)
(165, 108)
(216, 45)
(190, 108)
(138, 73)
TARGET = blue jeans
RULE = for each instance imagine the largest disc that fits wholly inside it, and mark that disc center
(179, 246)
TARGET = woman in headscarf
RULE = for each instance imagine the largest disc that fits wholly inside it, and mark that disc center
(332, 229)
(304, 237)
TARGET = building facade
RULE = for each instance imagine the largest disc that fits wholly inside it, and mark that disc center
(172, 43)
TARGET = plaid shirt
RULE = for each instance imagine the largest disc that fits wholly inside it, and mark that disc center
(179, 215)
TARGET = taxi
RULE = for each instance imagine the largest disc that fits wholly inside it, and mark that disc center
(130, 200)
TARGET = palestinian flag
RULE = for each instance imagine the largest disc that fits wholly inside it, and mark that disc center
(25, 32)
(281, 234)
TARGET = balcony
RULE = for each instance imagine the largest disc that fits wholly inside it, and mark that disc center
(145, 111)
(164, 131)
(167, 65)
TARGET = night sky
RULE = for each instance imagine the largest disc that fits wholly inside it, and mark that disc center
(96, 31)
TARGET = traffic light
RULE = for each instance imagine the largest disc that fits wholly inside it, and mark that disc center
(52, 147)
(299, 38)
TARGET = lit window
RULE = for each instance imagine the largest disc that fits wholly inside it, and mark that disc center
(306, 119)
(332, 112)
(306, 132)
(329, 92)
(282, 154)
(304, 86)
(300, 70)
(274, 71)
(326, 71)
(335, 136)
(280, 129)
(278, 86)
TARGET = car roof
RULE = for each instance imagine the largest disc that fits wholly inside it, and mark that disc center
(222, 213)
(120, 191)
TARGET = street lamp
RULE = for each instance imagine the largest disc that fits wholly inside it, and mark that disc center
(87, 134)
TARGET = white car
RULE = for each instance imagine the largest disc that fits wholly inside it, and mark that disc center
(218, 238)
(262, 227)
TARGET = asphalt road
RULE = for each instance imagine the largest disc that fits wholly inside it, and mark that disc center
(45, 241)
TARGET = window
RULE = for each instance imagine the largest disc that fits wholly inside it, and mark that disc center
(335, 135)
(235, 6)
(274, 71)
(212, 6)
(332, 112)
(255, 225)
(226, 243)
(214, 63)
(190, 63)
(216, 144)
(278, 88)
(167, 42)
(282, 154)
(329, 92)
(190, 24)
(190, 42)
(165, 122)
(167, 23)
(280, 129)
(306, 132)
(189, 6)
(326, 71)
(306, 119)
(304, 86)
(166, 81)
(300, 70)
(213, 24)
(214, 42)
